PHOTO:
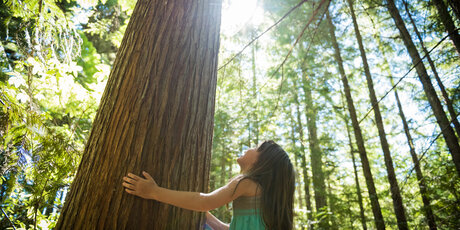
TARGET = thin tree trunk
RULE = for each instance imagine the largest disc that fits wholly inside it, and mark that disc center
(444, 93)
(358, 188)
(223, 162)
(334, 224)
(355, 171)
(319, 185)
(420, 178)
(156, 115)
(249, 128)
(223, 174)
(448, 23)
(441, 118)
(50, 202)
(423, 188)
(421, 182)
(299, 199)
(306, 178)
(350, 213)
(394, 187)
(378, 217)
(242, 108)
(230, 165)
(254, 95)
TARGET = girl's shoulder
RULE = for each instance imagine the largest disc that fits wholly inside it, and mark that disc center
(246, 186)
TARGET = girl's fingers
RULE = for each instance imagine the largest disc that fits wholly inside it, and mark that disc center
(129, 191)
(146, 175)
(129, 180)
(134, 177)
(127, 185)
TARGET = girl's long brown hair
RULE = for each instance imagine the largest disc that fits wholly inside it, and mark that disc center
(275, 175)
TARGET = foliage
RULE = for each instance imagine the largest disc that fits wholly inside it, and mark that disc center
(52, 79)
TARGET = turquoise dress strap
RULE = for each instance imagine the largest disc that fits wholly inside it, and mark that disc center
(246, 214)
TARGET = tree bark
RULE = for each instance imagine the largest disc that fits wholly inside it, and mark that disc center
(319, 185)
(394, 187)
(156, 114)
(444, 93)
(441, 118)
(448, 23)
(378, 217)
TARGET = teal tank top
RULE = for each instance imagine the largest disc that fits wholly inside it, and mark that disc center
(246, 214)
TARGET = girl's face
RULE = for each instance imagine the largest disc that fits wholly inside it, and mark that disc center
(248, 159)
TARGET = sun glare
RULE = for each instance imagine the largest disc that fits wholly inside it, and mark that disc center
(239, 13)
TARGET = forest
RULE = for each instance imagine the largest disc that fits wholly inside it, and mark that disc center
(363, 95)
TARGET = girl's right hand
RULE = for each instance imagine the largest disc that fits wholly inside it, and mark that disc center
(145, 188)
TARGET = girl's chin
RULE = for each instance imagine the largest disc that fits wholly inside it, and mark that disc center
(238, 161)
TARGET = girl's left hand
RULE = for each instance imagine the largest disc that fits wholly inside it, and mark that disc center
(145, 188)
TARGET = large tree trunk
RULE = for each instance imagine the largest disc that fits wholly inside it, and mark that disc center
(303, 158)
(378, 217)
(394, 187)
(156, 115)
(441, 118)
(448, 23)
(444, 93)
(319, 185)
(423, 188)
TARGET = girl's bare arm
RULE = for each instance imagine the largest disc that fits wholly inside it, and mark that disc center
(147, 188)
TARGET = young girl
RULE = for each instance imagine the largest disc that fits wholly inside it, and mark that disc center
(262, 195)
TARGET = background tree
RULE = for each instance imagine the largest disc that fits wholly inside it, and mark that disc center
(395, 191)
(444, 123)
(378, 218)
(448, 23)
